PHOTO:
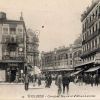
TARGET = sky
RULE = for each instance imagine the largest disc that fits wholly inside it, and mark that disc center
(60, 18)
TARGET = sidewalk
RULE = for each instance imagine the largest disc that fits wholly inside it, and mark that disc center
(6, 83)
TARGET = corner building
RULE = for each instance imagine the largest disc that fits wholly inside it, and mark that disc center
(91, 37)
(12, 48)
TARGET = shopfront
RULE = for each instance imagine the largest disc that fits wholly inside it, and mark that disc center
(11, 71)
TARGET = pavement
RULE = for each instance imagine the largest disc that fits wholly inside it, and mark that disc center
(15, 91)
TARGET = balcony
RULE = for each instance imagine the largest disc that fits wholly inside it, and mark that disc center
(92, 22)
(11, 39)
(90, 52)
(7, 57)
(91, 37)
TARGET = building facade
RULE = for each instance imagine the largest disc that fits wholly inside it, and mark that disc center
(32, 48)
(91, 35)
(77, 52)
(61, 59)
(12, 47)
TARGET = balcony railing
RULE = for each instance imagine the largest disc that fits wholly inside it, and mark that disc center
(12, 58)
(92, 22)
(90, 52)
(91, 36)
(11, 39)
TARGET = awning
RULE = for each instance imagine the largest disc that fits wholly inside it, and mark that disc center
(64, 69)
(84, 64)
(75, 73)
(93, 69)
(61, 70)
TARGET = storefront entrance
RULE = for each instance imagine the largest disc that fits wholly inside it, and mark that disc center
(13, 75)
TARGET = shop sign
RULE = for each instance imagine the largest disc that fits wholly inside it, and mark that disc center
(12, 64)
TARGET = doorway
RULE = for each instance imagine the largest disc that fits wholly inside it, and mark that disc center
(13, 75)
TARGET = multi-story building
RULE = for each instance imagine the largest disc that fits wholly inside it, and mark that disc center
(13, 48)
(32, 45)
(77, 51)
(91, 35)
(47, 61)
(58, 60)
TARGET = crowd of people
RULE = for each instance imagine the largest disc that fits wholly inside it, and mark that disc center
(62, 80)
(87, 78)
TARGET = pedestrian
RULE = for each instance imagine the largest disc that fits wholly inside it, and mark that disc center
(80, 78)
(91, 80)
(39, 80)
(26, 82)
(96, 80)
(59, 83)
(65, 82)
(49, 80)
(33, 80)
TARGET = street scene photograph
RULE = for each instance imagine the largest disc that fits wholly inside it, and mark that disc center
(49, 49)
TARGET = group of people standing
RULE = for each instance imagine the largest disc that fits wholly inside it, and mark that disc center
(92, 79)
(62, 81)
(48, 80)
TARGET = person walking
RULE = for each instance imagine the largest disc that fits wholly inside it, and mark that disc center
(39, 79)
(96, 80)
(59, 83)
(65, 82)
(26, 82)
(49, 80)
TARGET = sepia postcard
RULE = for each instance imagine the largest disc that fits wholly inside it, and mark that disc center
(49, 49)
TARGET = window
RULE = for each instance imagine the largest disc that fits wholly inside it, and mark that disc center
(12, 30)
(96, 27)
(96, 42)
(5, 30)
(70, 62)
(20, 30)
(90, 31)
(99, 39)
(93, 29)
(89, 45)
(70, 55)
(66, 56)
(92, 43)
(99, 25)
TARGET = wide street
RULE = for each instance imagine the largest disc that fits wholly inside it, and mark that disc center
(15, 91)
